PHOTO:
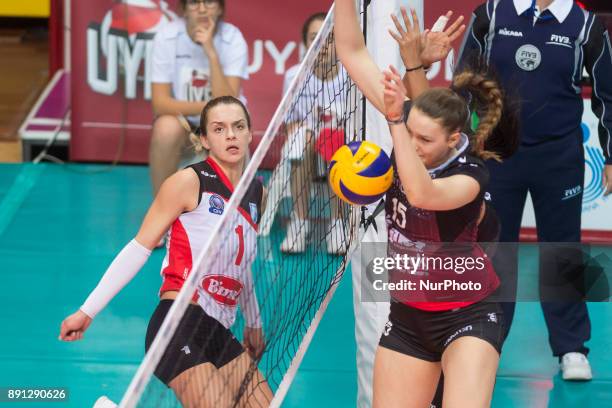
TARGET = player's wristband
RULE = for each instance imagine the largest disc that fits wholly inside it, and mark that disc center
(415, 68)
(400, 121)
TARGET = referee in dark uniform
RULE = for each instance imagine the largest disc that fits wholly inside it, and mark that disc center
(539, 49)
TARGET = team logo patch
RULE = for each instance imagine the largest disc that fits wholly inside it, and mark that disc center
(223, 289)
(216, 204)
(253, 210)
(528, 57)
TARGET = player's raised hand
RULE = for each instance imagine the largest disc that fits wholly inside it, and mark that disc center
(394, 94)
(73, 327)
(409, 38)
(437, 43)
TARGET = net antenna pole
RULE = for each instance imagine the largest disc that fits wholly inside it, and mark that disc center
(205, 259)
(364, 24)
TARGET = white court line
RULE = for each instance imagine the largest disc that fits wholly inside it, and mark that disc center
(48, 121)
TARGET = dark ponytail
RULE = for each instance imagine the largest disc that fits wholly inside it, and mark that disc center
(497, 109)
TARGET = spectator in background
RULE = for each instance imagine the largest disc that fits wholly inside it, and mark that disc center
(314, 126)
(195, 59)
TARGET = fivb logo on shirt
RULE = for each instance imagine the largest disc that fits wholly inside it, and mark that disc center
(528, 57)
(560, 40)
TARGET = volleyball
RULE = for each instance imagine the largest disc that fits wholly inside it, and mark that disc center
(360, 173)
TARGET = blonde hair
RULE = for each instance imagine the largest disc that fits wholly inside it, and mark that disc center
(196, 143)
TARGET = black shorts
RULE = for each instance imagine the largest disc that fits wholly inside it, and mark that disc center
(198, 339)
(425, 335)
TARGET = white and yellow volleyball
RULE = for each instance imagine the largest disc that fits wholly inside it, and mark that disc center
(360, 173)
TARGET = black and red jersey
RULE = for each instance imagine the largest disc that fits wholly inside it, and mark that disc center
(440, 234)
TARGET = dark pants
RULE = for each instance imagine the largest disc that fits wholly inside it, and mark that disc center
(551, 172)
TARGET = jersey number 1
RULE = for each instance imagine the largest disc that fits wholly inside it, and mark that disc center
(240, 245)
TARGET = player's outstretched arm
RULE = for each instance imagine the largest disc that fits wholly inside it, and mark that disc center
(354, 55)
(419, 50)
(411, 44)
(178, 193)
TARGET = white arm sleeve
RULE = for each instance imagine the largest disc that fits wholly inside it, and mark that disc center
(249, 304)
(120, 272)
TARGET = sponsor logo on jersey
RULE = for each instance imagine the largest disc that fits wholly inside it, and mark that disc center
(207, 174)
(223, 289)
(528, 57)
(509, 33)
(186, 350)
(560, 40)
(492, 317)
(253, 210)
(216, 204)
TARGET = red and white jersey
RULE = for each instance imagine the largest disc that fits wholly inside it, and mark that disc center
(229, 281)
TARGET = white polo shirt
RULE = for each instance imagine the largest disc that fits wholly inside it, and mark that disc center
(180, 61)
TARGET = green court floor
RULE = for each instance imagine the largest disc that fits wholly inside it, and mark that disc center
(61, 226)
